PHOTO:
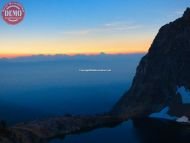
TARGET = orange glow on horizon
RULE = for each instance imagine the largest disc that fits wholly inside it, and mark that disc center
(22, 48)
(10, 56)
(14, 55)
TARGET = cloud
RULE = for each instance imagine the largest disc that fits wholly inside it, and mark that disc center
(120, 26)
(112, 27)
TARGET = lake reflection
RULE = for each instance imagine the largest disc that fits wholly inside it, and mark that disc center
(124, 133)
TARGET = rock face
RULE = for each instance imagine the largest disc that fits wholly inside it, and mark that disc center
(165, 68)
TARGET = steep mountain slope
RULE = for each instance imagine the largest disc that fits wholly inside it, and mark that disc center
(160, 73)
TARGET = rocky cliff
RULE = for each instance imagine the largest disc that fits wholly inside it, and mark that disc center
(164, 69)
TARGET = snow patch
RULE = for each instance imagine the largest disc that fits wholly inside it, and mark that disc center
(163, 114)
(183, 119)
(185, 94)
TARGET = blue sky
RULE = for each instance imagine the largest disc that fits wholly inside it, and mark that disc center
(90, 13)
(94, 20)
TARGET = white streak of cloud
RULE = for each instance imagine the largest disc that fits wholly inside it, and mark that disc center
(105, 28)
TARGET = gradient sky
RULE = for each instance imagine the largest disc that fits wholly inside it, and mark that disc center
(87, 26)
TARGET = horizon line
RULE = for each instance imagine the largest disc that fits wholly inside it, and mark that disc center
(13, 56)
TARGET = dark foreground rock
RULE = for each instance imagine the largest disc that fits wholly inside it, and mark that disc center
(58, 127)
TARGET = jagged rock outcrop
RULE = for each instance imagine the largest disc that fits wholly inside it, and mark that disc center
(165, 68)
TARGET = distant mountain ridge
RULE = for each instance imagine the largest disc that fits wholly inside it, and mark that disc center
(38, 58)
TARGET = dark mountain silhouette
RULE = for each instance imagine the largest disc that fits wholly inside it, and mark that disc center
(165, 68)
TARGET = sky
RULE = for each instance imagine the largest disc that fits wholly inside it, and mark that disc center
(87, 26)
